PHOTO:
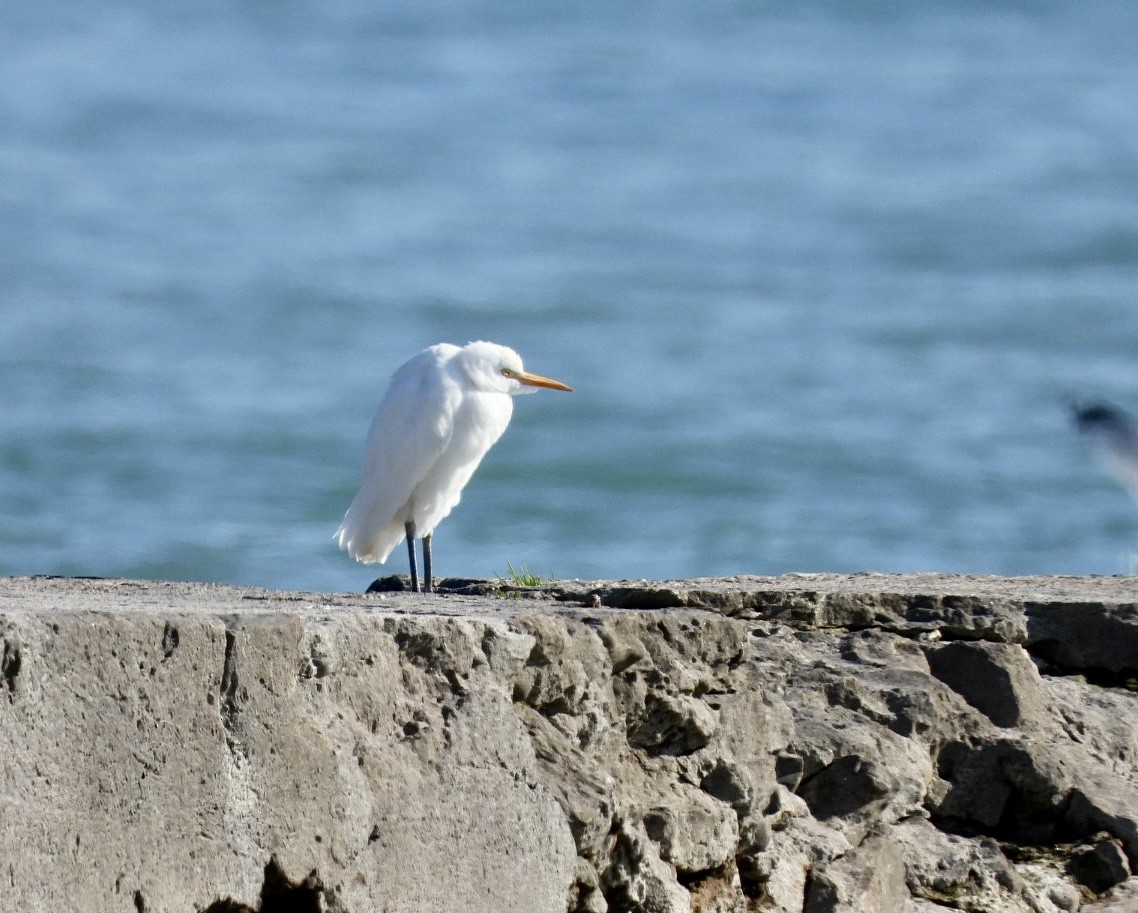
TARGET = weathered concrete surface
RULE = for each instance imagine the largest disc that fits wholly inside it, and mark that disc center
(810, 743)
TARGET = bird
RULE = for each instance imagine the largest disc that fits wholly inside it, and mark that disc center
(1115, 435)
(445, 408)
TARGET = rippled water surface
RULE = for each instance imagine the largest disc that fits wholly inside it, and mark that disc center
(824, 277)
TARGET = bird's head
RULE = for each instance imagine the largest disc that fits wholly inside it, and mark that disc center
(498, 369)
(1097, 416)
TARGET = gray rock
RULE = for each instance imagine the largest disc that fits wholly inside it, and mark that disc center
(808, 742)
(1100, 866)
(672, 724)
(694, 832)
(144, 771)
(637, 878)
(1081, 635)
(999, 680)
(868, 879)
(1122, 899)
(847, 785)
(1099, 801)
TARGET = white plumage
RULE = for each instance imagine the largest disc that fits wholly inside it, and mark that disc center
(445, 408)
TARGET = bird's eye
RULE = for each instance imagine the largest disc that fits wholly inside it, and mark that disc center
(507, 372)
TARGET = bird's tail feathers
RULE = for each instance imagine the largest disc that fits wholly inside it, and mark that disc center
(375, 550)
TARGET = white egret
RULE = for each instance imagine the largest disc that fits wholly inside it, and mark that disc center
(444, 410)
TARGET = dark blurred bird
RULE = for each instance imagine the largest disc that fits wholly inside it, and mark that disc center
(1114, 435)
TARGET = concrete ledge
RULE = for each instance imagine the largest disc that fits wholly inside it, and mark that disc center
(800, 743)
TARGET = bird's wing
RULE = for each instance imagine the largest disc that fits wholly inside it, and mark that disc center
(411, 428)
(1120, 453)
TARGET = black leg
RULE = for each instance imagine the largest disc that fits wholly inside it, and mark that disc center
(410, 528)
(429, 585)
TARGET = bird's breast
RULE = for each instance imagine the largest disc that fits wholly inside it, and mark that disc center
(479, 422)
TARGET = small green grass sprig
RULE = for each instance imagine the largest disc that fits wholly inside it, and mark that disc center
(522, 576)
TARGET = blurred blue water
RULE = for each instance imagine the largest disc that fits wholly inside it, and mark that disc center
(823, 275)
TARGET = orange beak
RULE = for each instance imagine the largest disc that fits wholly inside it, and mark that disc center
(536, 380)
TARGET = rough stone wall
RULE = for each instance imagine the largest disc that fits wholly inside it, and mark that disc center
(803, 744)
